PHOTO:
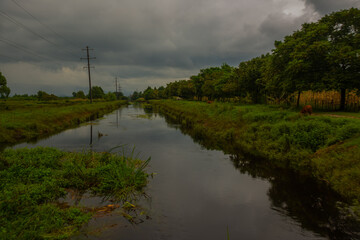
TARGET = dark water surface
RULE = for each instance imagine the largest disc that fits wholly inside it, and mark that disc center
(199, 193)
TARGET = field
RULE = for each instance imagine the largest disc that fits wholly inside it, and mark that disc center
(320, 145)
(28, 120)
(329, 100)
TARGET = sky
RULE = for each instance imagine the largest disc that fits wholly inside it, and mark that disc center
(142, 43)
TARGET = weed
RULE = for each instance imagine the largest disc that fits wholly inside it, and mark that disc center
(32, 181)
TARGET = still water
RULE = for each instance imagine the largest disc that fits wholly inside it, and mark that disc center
(198, 193)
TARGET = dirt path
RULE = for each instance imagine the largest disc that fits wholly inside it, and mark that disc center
(335, 115)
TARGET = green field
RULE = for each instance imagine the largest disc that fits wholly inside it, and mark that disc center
(27, 120)
(324, 146)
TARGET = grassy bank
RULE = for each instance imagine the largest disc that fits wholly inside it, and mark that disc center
(324, 146)
(33, 180)
(26, 120)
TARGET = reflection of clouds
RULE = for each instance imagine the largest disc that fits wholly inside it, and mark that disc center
(196, 193)
(80, 132)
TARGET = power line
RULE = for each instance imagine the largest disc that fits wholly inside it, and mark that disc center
(12, 58)
(22, 48)
(46, 26)
(28, 29)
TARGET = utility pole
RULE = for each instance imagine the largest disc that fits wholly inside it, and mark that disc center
(117, 95)
(88, 67)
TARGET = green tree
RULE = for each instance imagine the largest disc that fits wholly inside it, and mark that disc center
(149, 94)
(4, 89)
(97, 92)
(343, 34)
(44, 96)
(185, 89)
(110, 96)
(79, 94)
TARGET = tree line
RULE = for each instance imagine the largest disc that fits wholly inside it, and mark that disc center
(321, 56)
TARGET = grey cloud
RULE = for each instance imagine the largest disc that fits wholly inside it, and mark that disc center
(328, 6)
(145, 41)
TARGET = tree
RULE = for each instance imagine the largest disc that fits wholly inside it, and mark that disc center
(79, 94)
(4, 89)
(44, 96)
(186, 89)
(249, 74)
(149, 94)
(134, 96)
(343, 34)
(97, 92)
(110, 96)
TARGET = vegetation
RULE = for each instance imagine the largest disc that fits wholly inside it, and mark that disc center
(324, 146)
(32, 182)
(97, 92)
(321, 56)
(79, 94)
(26, 120)
(4, 89)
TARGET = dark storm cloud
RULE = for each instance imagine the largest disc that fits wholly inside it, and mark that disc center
(143, 42)
(328, 6)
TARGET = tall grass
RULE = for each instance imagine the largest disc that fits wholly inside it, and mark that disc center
(33, 180)
(329, 100)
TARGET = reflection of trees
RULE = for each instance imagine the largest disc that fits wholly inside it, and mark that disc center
(310, 203)
(303, 199)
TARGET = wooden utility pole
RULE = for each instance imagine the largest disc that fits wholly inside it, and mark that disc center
(88, 67)
(117, 95)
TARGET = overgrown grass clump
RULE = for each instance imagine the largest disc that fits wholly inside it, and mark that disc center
(26, 120)
(324, 146)
(33, 180)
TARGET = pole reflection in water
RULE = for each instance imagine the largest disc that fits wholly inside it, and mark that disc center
(91, 134)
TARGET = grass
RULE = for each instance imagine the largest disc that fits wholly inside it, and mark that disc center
(33, 180)
(26, 120)
(324, 146)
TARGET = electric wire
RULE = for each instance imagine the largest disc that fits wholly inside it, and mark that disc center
(46, 26)
(22, 48)
(12, 58)
(29, 30)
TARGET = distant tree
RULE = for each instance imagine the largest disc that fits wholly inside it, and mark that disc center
(97, 92)
(110, 96)
(149, 94)
(198, 83)
(135, 95)
(44, 96)
(250, 76)
(161, 92)
(186, 89)
(79, 94)
(4, 89)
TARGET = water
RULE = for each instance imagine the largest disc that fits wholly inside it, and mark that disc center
(202, 194)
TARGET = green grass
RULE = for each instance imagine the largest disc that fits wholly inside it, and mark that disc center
(324, 146)
(33, 180)
(26, 120)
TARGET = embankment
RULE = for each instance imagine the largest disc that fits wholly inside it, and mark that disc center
(29, 120)
(325, 147)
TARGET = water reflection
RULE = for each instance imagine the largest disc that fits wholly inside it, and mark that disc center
(291, 194)
(198, 193)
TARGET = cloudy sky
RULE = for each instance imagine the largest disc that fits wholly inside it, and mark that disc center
(143, 43)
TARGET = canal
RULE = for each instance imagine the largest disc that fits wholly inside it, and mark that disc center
(199, 193)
